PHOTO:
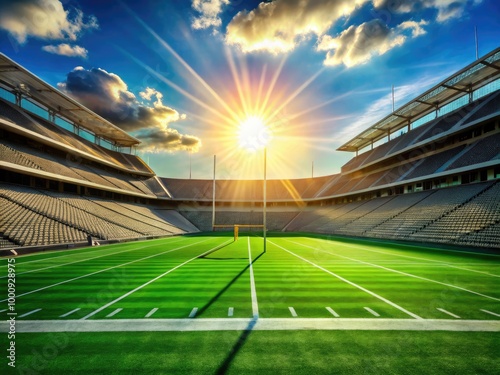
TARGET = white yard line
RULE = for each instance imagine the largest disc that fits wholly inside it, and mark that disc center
(193, 312)
(374, 313)
(447, 312)
(69, 313)
(114, 313)
(230, 311)
(362, 248)
(331, 311)
(491, 313)
(151, 312)
(399, 272)
(293, 312)
(351, 283)
(253, 290)
(104, 270)
(151, 281)
(262, 324)
(29, 313)
(79, 261)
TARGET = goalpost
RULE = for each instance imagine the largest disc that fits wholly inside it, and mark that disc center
(236, 227)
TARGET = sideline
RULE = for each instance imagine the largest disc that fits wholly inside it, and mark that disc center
(262, 324)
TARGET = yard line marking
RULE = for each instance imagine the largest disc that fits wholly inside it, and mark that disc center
(1, 311)
(77, 251)
(193, 312)
(351, 283)
(29, 313)
(486, 311)
(78, 261)
(331, 311)
(253, 291)
(362, 248)
(371, 311)
(400, 272)
(69, 313)
(293, 312)
(447, 312)
(114, 313)
(152, 280)
(106, 269)
(151, 312)
(230, 311)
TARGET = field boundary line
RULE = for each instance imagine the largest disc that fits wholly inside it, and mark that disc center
(351, 283)
(151, 281)
(262, 324)
(103, 270)
(253, 290)
(399, 272)
(363, 248)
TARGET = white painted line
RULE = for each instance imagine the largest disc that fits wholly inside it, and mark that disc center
(371, 311)
(69, 313)
(152, 280)
(151, 312)
(351, 283)
(113, 313)
(242, 324)
(331, 311)
(449, 313)
(400, 272)
(363, 248)
(193, 312)
(253, 291)
(104, 270)
(486, 311)
(1, 311)
(79, 261)
(230, 311)
(293, 312)
(29, 313)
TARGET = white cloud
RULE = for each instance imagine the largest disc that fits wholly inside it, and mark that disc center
(278, 26)
(65, 49)
(44, 19)
(358, 44)
(415, 27)
(209, 13)
(446, 9)
(108, 95)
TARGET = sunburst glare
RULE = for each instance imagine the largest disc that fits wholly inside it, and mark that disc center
(253, 134)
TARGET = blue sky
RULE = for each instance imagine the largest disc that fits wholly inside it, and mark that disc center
(183, 75)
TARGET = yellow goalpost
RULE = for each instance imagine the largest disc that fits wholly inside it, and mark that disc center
(236, 227)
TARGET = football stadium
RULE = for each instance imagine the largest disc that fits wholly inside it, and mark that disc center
(391, 264)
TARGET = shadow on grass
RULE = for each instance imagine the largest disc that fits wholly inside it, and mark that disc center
(223, 290)
(224, 366)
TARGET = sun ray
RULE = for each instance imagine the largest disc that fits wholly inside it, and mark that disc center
(175, 86)
(183, 62)
(270, 90)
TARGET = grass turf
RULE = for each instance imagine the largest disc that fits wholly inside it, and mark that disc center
(259, 352)
(308, 273)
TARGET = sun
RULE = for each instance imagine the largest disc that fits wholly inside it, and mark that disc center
(253, 134)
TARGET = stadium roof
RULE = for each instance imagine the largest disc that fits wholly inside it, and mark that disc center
(479, 73)
(18, 78)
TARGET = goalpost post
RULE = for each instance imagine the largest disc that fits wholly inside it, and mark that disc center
(236, 228)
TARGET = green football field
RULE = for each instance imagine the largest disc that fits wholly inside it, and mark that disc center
(206, 304)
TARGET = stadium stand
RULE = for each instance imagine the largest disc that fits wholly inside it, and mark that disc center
(434, 180)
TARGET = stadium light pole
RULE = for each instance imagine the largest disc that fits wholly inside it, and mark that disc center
(265, 200)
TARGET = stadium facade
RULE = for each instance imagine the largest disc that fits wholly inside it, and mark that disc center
(428, 172)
